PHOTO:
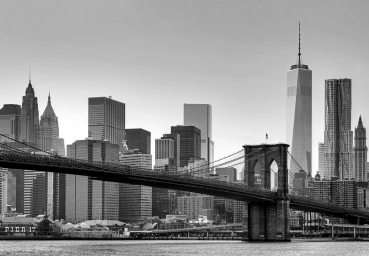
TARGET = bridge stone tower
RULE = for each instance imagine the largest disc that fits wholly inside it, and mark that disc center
(267, 221)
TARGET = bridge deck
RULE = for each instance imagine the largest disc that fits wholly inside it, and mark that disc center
(125, 174)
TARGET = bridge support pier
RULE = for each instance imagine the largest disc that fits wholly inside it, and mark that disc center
(267, 222)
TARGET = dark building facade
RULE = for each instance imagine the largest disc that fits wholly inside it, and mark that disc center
(10, 122)
(140, 139)
(190, 142)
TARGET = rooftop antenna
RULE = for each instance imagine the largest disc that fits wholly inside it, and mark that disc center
(299, 47)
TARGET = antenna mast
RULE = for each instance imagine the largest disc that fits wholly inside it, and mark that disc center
(299, 47)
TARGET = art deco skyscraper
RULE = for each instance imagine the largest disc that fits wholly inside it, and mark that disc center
(106, 120)
(360, 153)
(338, 135)
(30, 118)
(49, 131)
(299, 112)
(200, 116)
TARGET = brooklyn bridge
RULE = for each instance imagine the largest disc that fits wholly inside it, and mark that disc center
(266, 212)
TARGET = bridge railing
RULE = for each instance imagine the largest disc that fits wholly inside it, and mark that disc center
(300, 199)
(54, 160)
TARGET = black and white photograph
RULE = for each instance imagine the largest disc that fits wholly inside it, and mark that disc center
(184, 127)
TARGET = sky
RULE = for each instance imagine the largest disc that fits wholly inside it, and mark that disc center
(157, 55)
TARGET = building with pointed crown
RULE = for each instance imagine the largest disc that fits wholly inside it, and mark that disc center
(49, 131)
(360, 153)
(299, 115)
(30, 116)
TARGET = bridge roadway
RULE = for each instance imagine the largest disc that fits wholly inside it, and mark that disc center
(125, 174)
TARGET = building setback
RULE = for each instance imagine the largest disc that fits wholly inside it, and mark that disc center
(360, 153)
(299, 115)
(88, 199)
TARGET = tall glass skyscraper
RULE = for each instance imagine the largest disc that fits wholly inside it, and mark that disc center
(338, 136)
(106, 120)
(299, 115)
(200, 116)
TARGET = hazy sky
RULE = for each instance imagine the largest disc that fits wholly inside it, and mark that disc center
(157, 55)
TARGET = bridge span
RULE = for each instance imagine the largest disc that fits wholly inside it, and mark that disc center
(266, 212)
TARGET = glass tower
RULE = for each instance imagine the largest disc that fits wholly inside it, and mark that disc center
(299, 115)
(338, 136)
(200, 116)
(106, 120)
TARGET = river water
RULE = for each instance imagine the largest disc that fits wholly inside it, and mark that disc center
(182, 247)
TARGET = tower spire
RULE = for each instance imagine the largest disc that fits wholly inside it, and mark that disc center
(49, 101)
(29, 74)
(299, 47)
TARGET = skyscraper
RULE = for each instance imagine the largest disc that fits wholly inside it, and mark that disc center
(106, 120)
(190, 142)
(200, 116)
(30, 117)
(360, 153)
(86, 198)
(299, 112)
(321, 160)
(164, 201)
(49, 131)
(10, 122)
(338, 135)
(135, 201)
(139, 139)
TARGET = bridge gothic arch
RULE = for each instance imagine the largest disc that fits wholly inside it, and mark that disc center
(267, 221)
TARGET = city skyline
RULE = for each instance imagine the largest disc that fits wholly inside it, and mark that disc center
(181, 54)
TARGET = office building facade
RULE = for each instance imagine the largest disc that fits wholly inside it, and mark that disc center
(139, 139)
(338, 137)
(192, 206)
(200, 116)
(321, 161)
(135, 201)
(299, 115)
(106, 120)
(190, 143)
(10, 122)
(86, 198)
(360, 153)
